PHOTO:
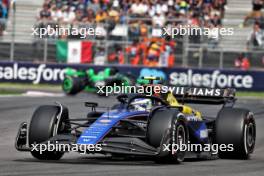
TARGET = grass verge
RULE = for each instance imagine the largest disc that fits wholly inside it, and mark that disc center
(259, 95)
(19, 88)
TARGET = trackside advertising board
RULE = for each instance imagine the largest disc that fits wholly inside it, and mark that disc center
(213, 78)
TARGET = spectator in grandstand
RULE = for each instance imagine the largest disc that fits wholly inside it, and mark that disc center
(94, 5)
(242, 62)
(215, 20)
(158, 20)
(113, 14)
(101, 16)
(256, 13)
(139, 9)
(194, 19)
(245, 65)
(3, 16)
(183, 6)
(134, 30)
(238, 60)
(133, 53)
(6, 3)
(220, 5)
(79, 16)
(196, 5)
(153, 53)
(89, 16)
(3, 9)
(68, 14)
(256, 37)
(56, 13)
(79, 5)
(45, 13)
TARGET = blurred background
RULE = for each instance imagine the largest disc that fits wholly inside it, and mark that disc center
(129, 24)
(132, 33)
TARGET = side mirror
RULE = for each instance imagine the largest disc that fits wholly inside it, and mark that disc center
(93, 105)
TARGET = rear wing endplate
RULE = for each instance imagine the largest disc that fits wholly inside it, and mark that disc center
(204, 95)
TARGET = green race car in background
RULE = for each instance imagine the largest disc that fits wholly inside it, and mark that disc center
(76, 81)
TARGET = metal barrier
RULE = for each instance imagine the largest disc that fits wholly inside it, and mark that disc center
(195, 51)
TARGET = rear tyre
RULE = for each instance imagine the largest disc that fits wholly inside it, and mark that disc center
(73, 85)
(167, 126)
(131, 80)
(44, 125)
(113, 71)
(236, 127)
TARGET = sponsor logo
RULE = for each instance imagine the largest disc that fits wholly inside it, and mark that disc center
(203, 133)
(197, 91)
(212, 80)
(192, 118)
(111, 116)
(105, 121)
(34, 74)
(152, 72)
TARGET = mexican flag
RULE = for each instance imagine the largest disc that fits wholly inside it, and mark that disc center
(74, 51)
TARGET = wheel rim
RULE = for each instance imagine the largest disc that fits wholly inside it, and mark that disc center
(180, 135)
(180, 139)
(67, 84)
(249, 137)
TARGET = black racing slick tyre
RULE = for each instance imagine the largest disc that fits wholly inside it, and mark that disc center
(167, 127)
(131, 79)
(73, 85)
(46, 122)
(113, 71)
(235, 127)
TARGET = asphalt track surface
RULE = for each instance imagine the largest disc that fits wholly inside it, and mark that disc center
(14, 110)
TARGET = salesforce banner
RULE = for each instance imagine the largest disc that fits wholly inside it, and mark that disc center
(213, 78)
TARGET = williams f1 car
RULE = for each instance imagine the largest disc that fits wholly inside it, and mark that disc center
(148, 126)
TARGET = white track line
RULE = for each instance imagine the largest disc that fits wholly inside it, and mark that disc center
(42, 94)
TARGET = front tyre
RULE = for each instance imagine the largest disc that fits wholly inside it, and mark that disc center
(46, 123)
(236, 127)
(167, 127)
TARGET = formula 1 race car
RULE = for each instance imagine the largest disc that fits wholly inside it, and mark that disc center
(77, 80)
(150, 126)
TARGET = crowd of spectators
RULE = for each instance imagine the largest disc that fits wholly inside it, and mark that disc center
(4, 6)
(155, 13)
(144, 19)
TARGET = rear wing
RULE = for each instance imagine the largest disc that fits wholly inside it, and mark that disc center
(204, 95)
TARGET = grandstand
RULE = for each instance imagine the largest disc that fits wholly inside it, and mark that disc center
(26, 11)
(128, 25)
(233, 18)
